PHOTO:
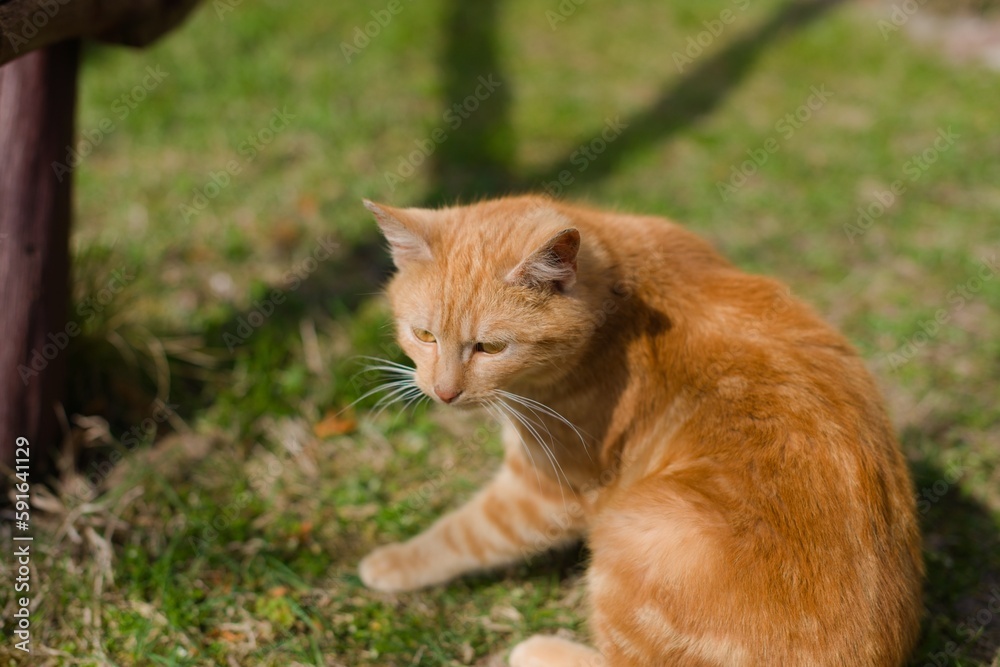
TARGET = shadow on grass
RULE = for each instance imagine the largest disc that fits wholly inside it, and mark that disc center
(268, 336)
(476, 161)
(117, 372)
(962, 554)
(560, 564)
(700, 91)
(478, 158)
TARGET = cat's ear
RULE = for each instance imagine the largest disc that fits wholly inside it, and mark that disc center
(553, 265)
(406, 241)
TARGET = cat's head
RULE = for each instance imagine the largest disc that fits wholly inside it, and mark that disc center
(487, 297)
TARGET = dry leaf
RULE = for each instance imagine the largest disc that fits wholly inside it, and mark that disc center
(227, 635)
(286, 234)
(333, 424)
(308, 206)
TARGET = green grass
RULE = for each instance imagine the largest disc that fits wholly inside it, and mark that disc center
(235, 539)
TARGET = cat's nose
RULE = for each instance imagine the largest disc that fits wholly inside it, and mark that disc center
(447, 395)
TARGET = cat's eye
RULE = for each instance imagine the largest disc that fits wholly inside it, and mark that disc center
(491, 348)
(423, 335)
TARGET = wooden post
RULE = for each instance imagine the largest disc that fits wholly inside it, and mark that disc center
(37, 102)
(39, 62)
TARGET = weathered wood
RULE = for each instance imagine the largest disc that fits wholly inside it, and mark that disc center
(26, 25)
(37, 101)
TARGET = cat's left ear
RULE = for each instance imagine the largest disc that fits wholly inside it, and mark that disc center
(552, 265)
(406, 240)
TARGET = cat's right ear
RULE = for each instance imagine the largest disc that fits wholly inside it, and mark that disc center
(553, 265)
(406, 242)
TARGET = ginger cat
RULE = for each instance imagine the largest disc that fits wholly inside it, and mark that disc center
(724, 451)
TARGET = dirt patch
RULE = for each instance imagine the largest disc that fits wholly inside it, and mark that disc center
(947, 7)
(965, 31)
(963, 38)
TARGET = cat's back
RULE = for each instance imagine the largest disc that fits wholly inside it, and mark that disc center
(764, 432)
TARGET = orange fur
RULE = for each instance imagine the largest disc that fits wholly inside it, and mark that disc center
(740, 486)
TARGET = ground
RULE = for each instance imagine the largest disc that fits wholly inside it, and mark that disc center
(220, 175)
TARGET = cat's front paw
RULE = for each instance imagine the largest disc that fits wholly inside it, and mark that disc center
(389, 569)
(541, 651)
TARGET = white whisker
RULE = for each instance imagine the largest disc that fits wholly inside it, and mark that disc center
(395, 396)
(493, 406)
(387, 362)
(415, 400)
(392, 384)
(529, 424)
(401, 385)
(388, 369)
(535, 407)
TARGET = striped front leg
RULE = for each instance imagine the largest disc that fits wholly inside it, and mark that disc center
(516, 515)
